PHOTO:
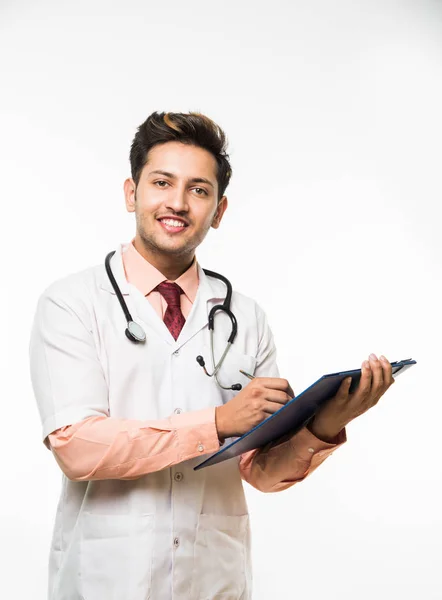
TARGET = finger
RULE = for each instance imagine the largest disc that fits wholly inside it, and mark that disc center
(271, 407)
(388, 371)
(364, 387)
(343, 391)
(276, 383)
(277, 396)
(342, 395)
(377, 382)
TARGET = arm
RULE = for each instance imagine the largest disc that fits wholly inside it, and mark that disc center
(108, 448)
(277, 467)
(72, 396)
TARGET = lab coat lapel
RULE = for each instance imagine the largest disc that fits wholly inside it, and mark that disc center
(116, 264)
(139, 306)
(210, 292)
(149, 317)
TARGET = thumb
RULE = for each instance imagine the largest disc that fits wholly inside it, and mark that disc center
(342, 393)
(345, 385)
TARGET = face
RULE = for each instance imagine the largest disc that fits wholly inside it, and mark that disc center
(176, 200)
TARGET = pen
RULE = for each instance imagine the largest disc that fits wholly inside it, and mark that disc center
(247, 374)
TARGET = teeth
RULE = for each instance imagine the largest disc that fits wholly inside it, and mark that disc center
(173, 223)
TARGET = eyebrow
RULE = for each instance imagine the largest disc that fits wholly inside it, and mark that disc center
(192, 180)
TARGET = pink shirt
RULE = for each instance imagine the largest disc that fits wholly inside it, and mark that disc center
(111, 448)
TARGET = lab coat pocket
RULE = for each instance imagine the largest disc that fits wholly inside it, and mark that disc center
(229, 372)
(221, 548)
(116, 556)
(235, 361)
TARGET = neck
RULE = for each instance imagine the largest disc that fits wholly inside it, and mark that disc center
(170, 265)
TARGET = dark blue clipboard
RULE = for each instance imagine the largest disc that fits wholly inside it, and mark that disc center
(294, 415)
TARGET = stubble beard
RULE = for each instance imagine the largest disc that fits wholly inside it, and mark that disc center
(150, 242)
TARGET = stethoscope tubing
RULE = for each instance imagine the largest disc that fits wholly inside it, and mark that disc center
(135, 333)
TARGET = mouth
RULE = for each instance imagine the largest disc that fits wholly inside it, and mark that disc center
(172, 225)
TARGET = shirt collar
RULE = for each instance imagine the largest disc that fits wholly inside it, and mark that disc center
(145, 277)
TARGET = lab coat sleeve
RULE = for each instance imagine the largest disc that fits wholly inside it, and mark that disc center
(277, 467)
(72, 398)
(66, 375)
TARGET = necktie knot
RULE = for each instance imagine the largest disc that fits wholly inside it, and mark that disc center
(171, 293)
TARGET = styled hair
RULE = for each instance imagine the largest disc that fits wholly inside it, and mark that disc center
(191, 128)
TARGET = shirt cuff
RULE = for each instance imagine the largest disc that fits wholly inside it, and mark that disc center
(308, 445)
(197, 433)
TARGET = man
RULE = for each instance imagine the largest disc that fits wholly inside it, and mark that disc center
(127, 422)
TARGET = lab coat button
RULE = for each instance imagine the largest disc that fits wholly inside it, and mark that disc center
(176, 542)
(178, 411)
(178, 477)
(176, 352)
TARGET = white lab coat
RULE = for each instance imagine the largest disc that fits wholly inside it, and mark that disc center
(155, 537)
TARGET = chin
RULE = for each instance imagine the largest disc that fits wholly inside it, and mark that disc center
(173, 248)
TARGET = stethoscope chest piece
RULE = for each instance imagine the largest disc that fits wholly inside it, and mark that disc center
(135, 332)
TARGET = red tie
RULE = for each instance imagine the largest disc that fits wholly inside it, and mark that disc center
(173, 317)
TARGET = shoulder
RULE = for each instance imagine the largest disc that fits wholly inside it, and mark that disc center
(69, 300)
(75, 288)
(248, 306)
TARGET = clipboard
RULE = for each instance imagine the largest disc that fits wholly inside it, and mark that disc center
(294, 415)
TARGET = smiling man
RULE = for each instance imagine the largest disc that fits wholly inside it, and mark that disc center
(127, 418)
(174, 210)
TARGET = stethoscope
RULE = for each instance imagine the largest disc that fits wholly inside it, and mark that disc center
(135, 333)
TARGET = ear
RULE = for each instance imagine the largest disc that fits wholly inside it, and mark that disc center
(129, 194)
(220, 210)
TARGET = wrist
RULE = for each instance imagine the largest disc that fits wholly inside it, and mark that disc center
(219, 425)
(324, 433)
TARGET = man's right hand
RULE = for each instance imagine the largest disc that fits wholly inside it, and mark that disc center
(262, 397)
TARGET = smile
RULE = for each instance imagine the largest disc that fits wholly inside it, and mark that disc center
(172, 225)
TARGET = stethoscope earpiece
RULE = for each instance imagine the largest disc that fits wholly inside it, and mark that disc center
(235, 387)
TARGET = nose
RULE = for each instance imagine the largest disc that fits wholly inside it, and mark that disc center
(177, 200)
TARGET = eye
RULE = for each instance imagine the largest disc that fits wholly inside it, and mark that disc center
(160, 181)
(201, 190)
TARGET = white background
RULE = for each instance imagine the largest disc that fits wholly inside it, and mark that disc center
(333, 112)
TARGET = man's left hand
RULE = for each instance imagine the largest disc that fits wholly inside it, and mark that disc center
(337, 412)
